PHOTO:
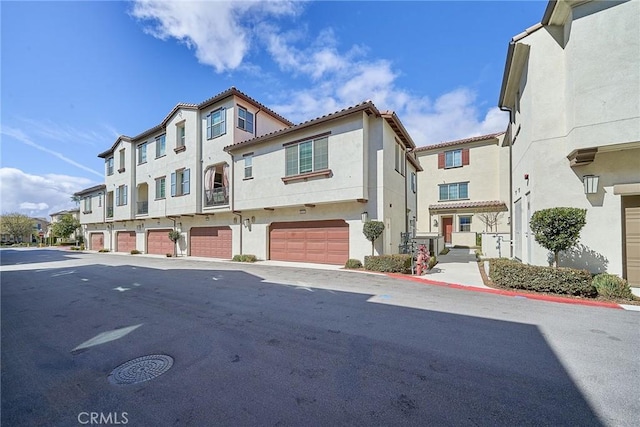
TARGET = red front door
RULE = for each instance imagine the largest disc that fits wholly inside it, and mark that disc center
(447, 226)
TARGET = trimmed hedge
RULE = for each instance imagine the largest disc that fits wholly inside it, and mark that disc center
(400, 263)
(353, 263)
(135, 252)
(432, 262)
(512, 274)
(612, 286)
(244, 258)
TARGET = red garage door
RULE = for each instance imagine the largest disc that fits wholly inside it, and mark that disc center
(325, 242)
(126, 241)
(211, 242)
(97, 241)
(158, 242)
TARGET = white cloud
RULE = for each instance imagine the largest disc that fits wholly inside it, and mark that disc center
(222, 33)
(219, 32)
(19, 135)
(36, 195)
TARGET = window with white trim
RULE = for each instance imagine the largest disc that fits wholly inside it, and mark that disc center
(161, 145)
(180, 182)
(245, 119)
(109, 163)
(307, 156)
(160, 187)
(465, 223)
(248, 166)
(216, 123)
(121, 195)
(414, 182)
(455, 191)
(142, 153)
(121, 168)
(86, 205)
(180, 135)
(453, 159)
(400, 159)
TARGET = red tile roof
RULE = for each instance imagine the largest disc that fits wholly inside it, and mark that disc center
(459, 142)
(486, 205)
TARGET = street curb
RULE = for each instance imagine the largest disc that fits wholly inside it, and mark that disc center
(548, 298)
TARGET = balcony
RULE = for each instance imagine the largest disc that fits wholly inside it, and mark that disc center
(142, 208)
(216, 197)
(109, 211)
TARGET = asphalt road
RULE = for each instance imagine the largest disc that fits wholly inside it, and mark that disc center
(260, 346)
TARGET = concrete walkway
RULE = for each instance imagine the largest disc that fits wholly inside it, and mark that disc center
(458, 267)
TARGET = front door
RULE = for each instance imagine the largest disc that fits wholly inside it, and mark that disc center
(447, 226)
(631, 206)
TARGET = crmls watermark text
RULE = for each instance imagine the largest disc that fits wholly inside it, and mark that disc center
(97, 418)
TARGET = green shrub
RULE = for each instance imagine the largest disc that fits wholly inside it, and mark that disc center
(444, 251)
(169, 255)
(479, 240)
(432, 262)
(512, 274)
(135, 252)
(612, 286)
(103, 250)
(75, 248)
(400, 263)
(244, 258)
(353, 263)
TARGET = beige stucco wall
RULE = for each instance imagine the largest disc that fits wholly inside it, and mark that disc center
(596, 103)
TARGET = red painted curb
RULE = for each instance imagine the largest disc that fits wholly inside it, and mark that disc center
(549, 298)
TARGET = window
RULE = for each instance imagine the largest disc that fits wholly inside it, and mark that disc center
(216, 123)
(453, 159)
(248, 165)
(308, 156)
(160, 145)
(180, 182)
(180, 135)
(121, 167)
(245, 119)
(465, 223)
(100, 201)
(142, 153)
(160, 187)
(121, 195)
(414, 182)
(109, 166)
(400, 160)
(455, 191)
(86, 205)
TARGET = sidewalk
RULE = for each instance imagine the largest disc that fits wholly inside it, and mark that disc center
(458, 267)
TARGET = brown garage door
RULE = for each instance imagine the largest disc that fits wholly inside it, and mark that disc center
(126, 241)
(632, 239)
(211, 242)
(325, 242)
(158, 242)
(97, 241)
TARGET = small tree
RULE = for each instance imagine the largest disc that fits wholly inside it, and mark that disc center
(372, 230)
(558, 229)
(490, 220)
(174, 236)
(17, 225)
(67, 225)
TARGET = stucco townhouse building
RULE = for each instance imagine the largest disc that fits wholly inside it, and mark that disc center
(572, 87)
(465, 190)
(233, 176)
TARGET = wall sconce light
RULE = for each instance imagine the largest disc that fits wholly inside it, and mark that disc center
(526, 176)
(206, 218)
(247, 222)
(302, 211)
(235, 220)
(508, 220)
(590, 184)
(253, 219)
(180, 224)
(365, 216)
(435, 222)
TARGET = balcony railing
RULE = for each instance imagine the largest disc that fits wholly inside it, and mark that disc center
(216, 197)
(109, 211)
(143, 208)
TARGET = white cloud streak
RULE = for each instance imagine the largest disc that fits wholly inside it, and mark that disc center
(20, 136)
(222, 36)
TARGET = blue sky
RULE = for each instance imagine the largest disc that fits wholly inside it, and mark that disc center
(75, 75)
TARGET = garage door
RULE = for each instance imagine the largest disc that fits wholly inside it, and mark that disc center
(97, 241)
(158, 242)
(325, 242)
(210, 242)
(632, 239)
(126, 241)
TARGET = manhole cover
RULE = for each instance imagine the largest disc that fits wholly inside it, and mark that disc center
(141, 369)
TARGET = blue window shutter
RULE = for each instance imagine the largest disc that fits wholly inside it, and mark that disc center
(117, 196)
(223, 121)
(125, 195)
(185, 181)
(173, 184)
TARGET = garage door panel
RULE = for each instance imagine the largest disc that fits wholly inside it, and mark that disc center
(97, 241)
(211, 242)
(126, 241)
(325, 242)
(158, 242)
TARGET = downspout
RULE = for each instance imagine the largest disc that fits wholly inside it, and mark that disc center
(233, 196)
(510, 181)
